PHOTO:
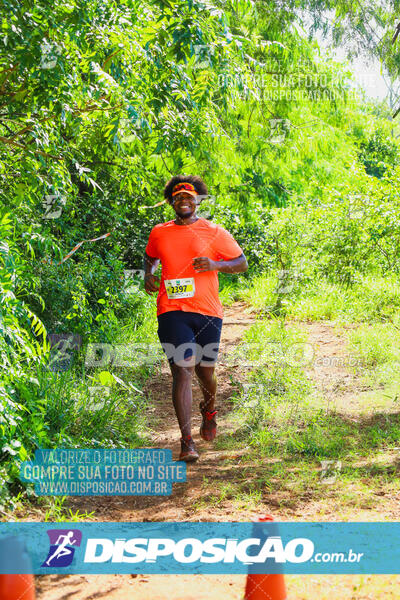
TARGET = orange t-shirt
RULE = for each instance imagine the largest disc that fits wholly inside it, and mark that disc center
(176, 246)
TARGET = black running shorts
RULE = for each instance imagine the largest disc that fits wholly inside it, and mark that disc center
(189, 338)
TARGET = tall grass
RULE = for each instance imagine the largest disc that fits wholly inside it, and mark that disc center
(371, 298)
(278, 410)
(287, 437)
(83, 406)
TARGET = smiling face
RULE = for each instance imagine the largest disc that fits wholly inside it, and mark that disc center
(184, 205)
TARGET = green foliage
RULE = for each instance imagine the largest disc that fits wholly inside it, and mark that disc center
(101, 102)
(378, 154)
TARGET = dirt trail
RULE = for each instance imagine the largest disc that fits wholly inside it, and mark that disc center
(165, 434)
(177, 507)
(182, 504)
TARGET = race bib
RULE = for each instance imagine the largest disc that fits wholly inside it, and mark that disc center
(179, 288)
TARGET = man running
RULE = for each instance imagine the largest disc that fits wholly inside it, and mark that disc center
(192, 250)
(62, 546)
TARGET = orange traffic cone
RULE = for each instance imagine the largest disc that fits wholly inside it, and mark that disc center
(265, 587)
(14, 557)
(17, 587)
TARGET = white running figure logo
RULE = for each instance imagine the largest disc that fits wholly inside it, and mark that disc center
(62, 550)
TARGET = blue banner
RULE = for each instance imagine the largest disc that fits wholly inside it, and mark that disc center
(206, 548)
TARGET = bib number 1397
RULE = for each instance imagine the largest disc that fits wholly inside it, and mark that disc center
(179, 288)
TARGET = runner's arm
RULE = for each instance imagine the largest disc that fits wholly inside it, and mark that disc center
(235, 265)
(150, 280)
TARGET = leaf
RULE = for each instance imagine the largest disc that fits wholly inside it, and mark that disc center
(105, 378)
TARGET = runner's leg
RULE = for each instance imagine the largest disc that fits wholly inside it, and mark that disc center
(182, 396)
(208, 335)
(208, 383)
(174, 328)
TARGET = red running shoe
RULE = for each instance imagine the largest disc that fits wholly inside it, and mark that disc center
(208, 428)
(188, 449)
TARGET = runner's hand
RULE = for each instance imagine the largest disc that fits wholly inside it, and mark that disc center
(203, 263)
(150, 283)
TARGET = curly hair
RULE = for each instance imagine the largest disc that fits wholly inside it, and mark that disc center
(195, 180)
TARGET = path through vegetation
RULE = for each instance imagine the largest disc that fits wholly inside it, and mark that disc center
(210, 494)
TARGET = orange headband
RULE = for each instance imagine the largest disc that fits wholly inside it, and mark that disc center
(184, 187)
